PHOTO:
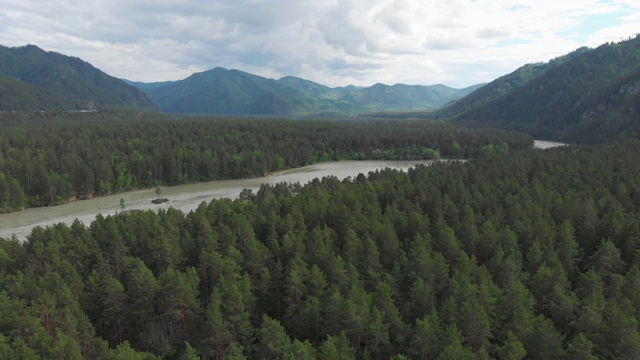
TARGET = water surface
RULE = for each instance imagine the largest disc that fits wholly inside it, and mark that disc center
(189, 197)
(543, 144)
(183, 197)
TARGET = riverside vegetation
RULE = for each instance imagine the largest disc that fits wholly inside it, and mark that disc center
(50, 158)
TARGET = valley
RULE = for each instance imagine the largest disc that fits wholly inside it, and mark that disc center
(310, 222)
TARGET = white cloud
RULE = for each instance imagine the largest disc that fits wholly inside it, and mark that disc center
(457, 42)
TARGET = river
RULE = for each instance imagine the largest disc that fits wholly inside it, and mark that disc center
(543, 144)
(188, 197)
(183, 197)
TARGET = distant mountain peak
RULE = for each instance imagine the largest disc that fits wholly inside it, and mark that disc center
(234, 92)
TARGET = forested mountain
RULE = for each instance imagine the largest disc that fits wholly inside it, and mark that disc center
(316, 90)
(404, 97)
(75, 83)
(534, 255)
(504, 85)
(232, 92)
(588, 96)
(17, 95)
(49, 158)
(229, 92)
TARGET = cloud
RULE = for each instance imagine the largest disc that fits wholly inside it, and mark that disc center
(333, 42)
(493, 33)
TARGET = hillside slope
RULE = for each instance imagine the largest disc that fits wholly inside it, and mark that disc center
(78, 82)
(588, 96)
(16, 95)
(227, 92)
(400, 96)
(504, 85)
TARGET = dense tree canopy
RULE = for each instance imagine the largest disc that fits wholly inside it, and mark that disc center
(533, 255)
(49, 158)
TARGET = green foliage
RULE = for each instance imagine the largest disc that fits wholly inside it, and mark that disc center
(512, 349)
(273, 340)
(491, 149)
(494, 257)
(18, 95)
(411, 153)
(336, 347)
(53, 158)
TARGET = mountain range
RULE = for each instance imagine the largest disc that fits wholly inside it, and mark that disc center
(587, 96)
(233, 92)
(33, 79)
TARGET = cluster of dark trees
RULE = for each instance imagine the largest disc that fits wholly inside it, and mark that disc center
(18, 95)
(49, 158)
(532, 255)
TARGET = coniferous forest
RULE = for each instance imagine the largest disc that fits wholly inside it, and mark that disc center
(52, 158)
(514, 254)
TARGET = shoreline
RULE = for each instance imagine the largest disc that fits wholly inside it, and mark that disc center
(184, 197)
(538, 144)
(93, 196)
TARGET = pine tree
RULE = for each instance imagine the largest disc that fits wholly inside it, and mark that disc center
(219, 335)
(428, 337)
(234, 309)
(579, 348)
(234, 352)
(336, 347)
(141, 290)
(377, 339)
(273, 340)
(512, 349)
(179, 301)
(453, 348)
(113, 312)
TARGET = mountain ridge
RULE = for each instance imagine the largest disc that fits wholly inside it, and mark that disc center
(35, 79)
(75, 83)
(221, 91)
(586, 96)
(590, 96)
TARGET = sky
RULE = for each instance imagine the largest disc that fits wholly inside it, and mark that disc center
(458, 43)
